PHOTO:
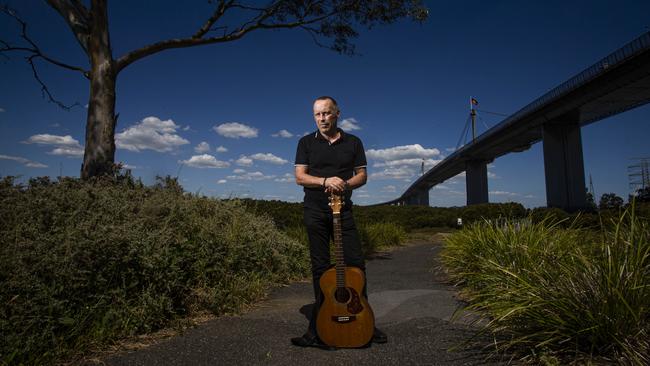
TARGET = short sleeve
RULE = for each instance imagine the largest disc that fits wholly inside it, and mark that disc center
(359, 155)
(302, 155)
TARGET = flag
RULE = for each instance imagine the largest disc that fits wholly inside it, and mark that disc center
(474, 101)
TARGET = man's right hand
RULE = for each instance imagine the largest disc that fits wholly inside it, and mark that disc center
(335, 185)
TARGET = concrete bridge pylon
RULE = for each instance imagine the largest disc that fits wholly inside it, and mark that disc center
(563, 163)
(476, 182)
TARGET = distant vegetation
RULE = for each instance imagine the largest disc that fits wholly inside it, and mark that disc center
(554, 292)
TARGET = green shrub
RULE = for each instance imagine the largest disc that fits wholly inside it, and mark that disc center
(550, 292)
(380, 235)
(86, 263)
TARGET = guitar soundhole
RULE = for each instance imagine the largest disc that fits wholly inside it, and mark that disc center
(342, 295)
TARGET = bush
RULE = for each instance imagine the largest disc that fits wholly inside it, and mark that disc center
(559, 293)
(85, 263)
(380, 235)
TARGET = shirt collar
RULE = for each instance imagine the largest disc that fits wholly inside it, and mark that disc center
(318, 136)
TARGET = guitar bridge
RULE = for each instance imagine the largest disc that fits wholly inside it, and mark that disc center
(344, 319)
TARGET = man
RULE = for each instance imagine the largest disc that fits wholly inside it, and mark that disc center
(329, 161)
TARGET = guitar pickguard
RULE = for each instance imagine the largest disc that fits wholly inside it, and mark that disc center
(354, 306)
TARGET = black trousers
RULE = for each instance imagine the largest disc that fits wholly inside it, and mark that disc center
(319, 224)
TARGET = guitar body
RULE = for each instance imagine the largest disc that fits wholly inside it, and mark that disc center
(345, 318)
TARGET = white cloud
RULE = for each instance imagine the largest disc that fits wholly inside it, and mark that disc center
(202, 147)
(64, 145)
(428, 163)
(129, 166)
(269, 158)
(205, 161)
(244, 161)
(73, 152)
(26, 162)
(221, 149)
(283, 133)
(235, 130)
(239, 171)
(504, 193)
(222, 181)
(402, 172)
(402, 162)
(389, 188)
(251, 176)
(186, 128)
(150, 133)
(287, 178)
(47, 139)
(403, 152)
(349, 124)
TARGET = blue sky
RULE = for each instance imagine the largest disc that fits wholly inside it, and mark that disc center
(226, 118)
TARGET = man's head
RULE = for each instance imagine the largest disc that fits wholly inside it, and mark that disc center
(326, 114)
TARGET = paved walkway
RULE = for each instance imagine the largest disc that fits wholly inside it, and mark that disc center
(410, 305)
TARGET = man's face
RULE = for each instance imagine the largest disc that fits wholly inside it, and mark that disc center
(326, 114)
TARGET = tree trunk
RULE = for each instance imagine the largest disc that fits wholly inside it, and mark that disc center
(99, 154)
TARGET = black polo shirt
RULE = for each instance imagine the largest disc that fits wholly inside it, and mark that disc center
(329, 160)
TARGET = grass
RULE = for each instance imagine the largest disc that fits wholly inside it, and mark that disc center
(556, 294)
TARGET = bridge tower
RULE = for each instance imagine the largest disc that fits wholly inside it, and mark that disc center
(476, 181)
(563, 165)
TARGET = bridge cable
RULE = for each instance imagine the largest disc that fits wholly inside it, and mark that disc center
(463, 133)
(495, 113)
(483, 122)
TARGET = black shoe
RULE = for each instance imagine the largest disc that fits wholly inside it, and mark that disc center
(379, 337)
(310, 340)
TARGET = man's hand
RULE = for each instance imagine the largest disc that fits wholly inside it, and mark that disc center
(335, 185)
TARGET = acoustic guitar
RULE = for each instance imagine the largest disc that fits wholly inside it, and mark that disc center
(345, 318)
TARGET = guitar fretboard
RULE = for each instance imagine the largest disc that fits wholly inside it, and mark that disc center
(338, 251)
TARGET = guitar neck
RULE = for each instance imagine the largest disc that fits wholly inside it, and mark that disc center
(338, 251)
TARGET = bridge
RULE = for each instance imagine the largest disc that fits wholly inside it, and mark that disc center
(616, 83)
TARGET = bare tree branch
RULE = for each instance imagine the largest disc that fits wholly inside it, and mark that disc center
(221, 10)
(313, 33)
(257, 22)
(36, 52)
(34, 49)
(44, 90)
(78, 18)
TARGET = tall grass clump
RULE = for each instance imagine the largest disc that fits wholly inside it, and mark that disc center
(86, 263)
(551, 292)
(380, 235)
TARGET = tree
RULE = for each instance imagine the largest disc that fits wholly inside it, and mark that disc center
(591, 204)
(610, 201)
(335, 20)
(642, 195)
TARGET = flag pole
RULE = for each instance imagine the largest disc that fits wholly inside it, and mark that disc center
(472, 113)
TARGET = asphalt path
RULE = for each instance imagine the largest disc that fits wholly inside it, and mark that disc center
(411, 305)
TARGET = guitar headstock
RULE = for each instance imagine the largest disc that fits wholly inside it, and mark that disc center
(336, 202)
